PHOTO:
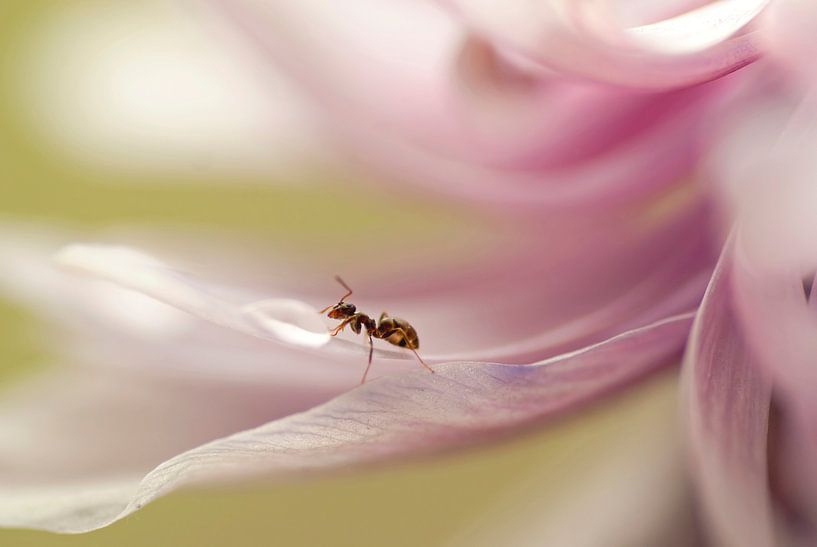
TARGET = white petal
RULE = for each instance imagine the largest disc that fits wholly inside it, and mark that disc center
(285, 321)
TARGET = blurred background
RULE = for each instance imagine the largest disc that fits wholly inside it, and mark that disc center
(127, 118)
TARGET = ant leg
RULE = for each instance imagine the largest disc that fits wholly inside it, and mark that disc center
(417, 355)
(368, 366)
(382, 316)
(340, 327)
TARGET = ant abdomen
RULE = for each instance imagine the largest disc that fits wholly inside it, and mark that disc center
(398, 332)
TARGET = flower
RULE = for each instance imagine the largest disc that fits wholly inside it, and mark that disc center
(749, 370)
(605, 256)
(177, 365)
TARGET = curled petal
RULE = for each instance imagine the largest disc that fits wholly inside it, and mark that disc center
(766, 167)
(283, 320)
(792, 25)
(663, 275)
(38, 506)
(102, 323)
(727, 400)
(594, 40)
(83, 436)
(509, 118)
(640, 163)
(397, 416)
(586, 281)
(780, 326)
(457, 116)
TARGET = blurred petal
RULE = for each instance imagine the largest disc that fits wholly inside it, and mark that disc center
(77, 422)
(636, 160)
(765, 167)
(790, 32)
(792, 472)
(284, 320)
(605, 41)
(389, 59)
(727, 400)
(398, 416)
(82, 437)
(98, 322)
(457, 116)
(542, 304)
(773, 310)
(767, 172)
(28, 276)
(511, 119)
(588, 279)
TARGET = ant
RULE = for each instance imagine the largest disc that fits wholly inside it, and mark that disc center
(391, 329)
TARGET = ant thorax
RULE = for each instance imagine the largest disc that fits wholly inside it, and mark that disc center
(361, 321)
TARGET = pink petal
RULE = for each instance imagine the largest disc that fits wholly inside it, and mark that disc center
(790, 32)
(593, 40)
(83, 437)
(775, 261)
(398, 416)
(589, 279)
(78, 422)
(792, 473)
(285, 320)
(727, 400)
(780, 327)
(507, 118)
(636, 160)
(461, 119)
(98, 322)
(765, 168)
(541, 305)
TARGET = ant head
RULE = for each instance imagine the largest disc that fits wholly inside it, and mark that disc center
(342, 310)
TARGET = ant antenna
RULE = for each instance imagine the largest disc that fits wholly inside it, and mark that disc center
(345, 286)
(342, 298)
